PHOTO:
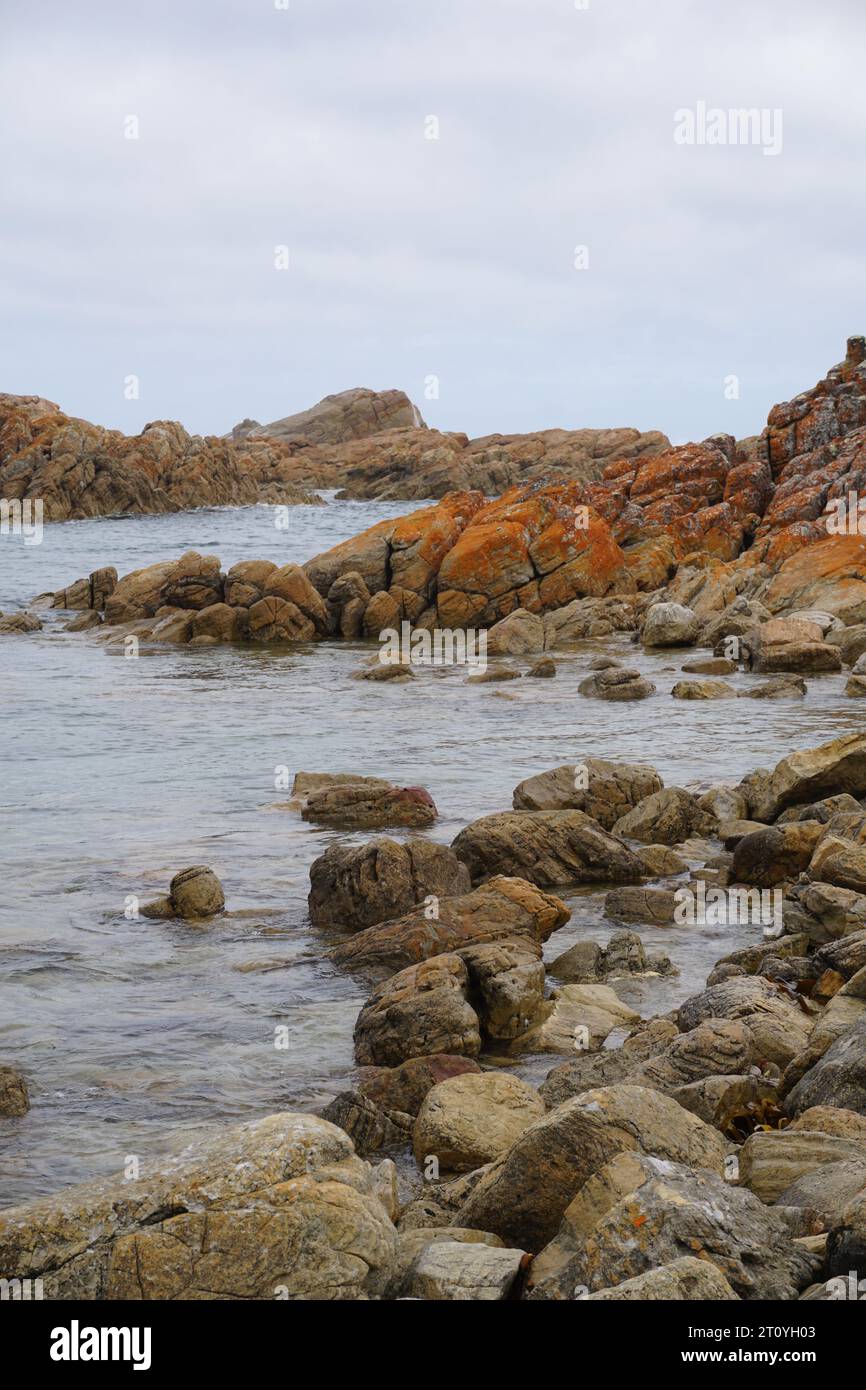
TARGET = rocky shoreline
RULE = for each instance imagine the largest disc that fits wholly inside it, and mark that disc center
(718, 1151)
(715, 1151)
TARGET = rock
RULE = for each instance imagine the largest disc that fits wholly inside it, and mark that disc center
(839, 862)
(710, 666)
(194, 581)
(589, 1070)
(668, 1215)
(641, 905)
(604, 790)
(811, 657)
(826, 575)
(245, 582)
(470, 1120)
(418, 1012)
(396, 673)
(703, 690)
(715, 1099)
(14, 1092)
(581, 963)
(348, 807)
(356, 886)
(846, 1242)
(766, 857)
(659, 860)
(579, 1017)
(780, 1027)
(353, 414)
(717, 1047)
(507, 986)
(501, 910)
(404, 1087)
(454, 1271)
(276, 1207)
(855, 687)
(220, 622)
(827, 1189)
(520, 632)
(196, 892)
(779, 688)
(370, 1127)
(412, 1243)
(688, 1280)
(616, 684)
(19, 622)
(825, 912)
(85, 621)
(667, 817)
(838, 766)
(548, 848)
(837, 1077)
(545, 669)
(731, 832)
(770, 1161)
(522, 1195)
(586, 961)
(493, 673)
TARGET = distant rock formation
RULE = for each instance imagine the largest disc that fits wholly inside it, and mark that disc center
(354, 414)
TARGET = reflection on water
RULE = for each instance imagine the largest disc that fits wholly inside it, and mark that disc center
(117, 773)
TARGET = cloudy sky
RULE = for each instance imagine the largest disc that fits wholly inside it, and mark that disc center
(305, 124)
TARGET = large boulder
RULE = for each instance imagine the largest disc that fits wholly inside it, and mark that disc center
(778, 1024)
(276, 1208)
(353, 414)
(549, 848)
(667, 1212)
(769, 856)
(522, 1195)
(349, 807)
(499, 910)
(670, 625)
(602, 789)
(665, 818)
(418, 1012)
(448, 1271)
(687, 1280)
(838, 766)
(356, 886)
(771, 1160)
(470, 1120)
(837, 1078)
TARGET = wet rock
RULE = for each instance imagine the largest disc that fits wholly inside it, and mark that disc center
(420, 1011)
(353, 807)
(715, 1099)
(245, 582)
(855, 687)
(616, 684)
(846, 1242)
(451, 1271)
(779, 688)
(220, 622)
(545, 669)
(825, 912)
(604, 790)
(667, 817)
(641, 905)
(278, 1204)
(506, 986)
(670, 625)
(357, 886)
(548, 848)
(710, 666)
(659, 860)
(85, 621)
(523, 1195)
(703, 690)
(396, 672)
(825, 1191)
(14, 1092)
(780, 1027)
(519, 633)
(19, 622)
(196, 892)
(493, 673)
(195, 582)
(470, 1120)
(501, 910)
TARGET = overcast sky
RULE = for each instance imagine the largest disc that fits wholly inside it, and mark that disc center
(412, 258)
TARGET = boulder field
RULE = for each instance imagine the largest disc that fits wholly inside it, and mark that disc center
(714, 1152)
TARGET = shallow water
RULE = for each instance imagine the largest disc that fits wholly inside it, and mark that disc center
(117, 773)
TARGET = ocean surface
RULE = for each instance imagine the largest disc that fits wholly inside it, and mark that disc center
(116, 773)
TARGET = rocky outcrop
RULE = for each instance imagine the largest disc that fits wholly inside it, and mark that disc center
(549, 848)
(353, 414)
(277, 1208)
(356, 886)
(604, 790)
